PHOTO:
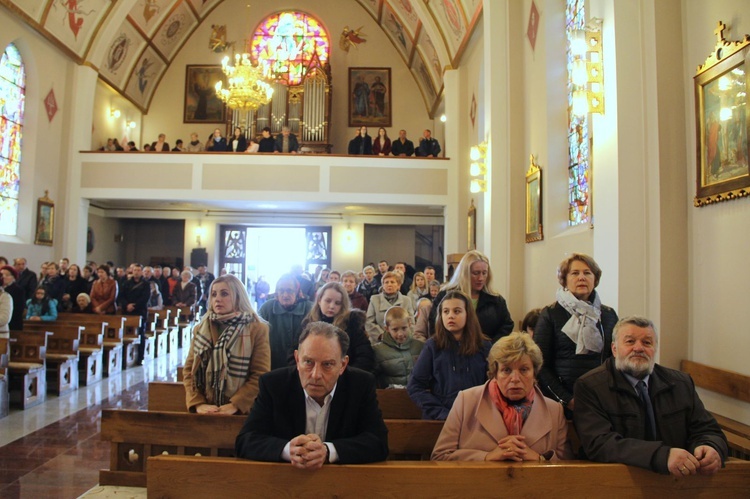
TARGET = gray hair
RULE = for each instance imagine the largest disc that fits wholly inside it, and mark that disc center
(327, 331)
(635, 320)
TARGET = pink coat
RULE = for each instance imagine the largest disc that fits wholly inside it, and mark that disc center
(474, 426)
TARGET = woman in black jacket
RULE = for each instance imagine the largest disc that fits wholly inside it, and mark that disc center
(575, 332)
(473, 276)
(362, 143)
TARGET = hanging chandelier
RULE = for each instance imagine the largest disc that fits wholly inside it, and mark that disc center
(246, 87)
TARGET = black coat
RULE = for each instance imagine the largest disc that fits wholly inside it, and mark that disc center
(220, 146)
(137, 293)
(17, 296)
(355, 423)
(266, 144)
(360, 352)
(241, 144)
(356, 145)
(492, 312)
(562, 367)
(27, 281)
(407, 148)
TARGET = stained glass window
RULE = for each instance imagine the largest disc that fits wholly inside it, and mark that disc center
(285, 42)
(579, 173)
(12, 90)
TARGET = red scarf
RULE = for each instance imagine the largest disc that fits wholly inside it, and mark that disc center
(514, 415)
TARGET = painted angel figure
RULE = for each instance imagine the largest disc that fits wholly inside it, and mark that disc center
(351, 38)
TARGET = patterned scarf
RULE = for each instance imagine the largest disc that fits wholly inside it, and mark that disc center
(217, 367)
(514, 413)
(582, 328)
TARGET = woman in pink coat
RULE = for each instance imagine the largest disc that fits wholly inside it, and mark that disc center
(507, 418)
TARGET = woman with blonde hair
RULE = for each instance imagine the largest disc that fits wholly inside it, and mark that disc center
(229, 352)
(473, 277)
(507, 418)
(380, 303)
(418, 288)
(332, 305)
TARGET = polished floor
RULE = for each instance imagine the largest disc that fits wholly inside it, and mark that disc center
(53, 450)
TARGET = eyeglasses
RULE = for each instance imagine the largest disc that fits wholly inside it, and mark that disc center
(286, 291)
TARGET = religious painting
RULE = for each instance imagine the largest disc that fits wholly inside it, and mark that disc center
(202, 105)
(146, 75)
(722, 168)
(534, 202)
(75, 22)
(149, 14)
(424, 81)
(406, 11)
(397, 32)
(121, 54)
(45, 221)
(370, 97)
(174, 30)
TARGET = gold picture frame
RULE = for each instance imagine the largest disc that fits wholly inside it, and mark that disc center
(472, 226)
(45, 221)
(722, 110)
(534, 202)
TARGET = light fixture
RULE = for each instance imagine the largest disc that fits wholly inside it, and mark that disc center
(131, 124)
(587, 75)
(443, 118)
(199, 233)
(478, 185)
(114, 113)
(246, 87)
(478, 167)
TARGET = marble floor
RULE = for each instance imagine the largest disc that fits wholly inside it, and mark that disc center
(53, 450)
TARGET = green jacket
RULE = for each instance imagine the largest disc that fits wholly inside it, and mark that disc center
(394, 362)
(285, 328)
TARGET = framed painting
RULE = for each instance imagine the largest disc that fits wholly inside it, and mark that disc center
(534, 202)
(202, 105)
(721, 108)
(45, 221)
(370, 97)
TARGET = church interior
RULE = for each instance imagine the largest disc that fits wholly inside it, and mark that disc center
(522, 176)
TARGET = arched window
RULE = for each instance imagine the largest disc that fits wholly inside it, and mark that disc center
(285, 42)
(579, 172)
(12, 94)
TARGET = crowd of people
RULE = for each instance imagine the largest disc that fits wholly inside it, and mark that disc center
(287, 142)
(309, 355)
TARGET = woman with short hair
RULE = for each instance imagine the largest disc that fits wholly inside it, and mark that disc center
(507, 418)
(185, 293)
(104, 292)
(380, 303)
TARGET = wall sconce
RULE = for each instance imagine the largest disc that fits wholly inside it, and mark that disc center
(199, 233)
(587, 73)
(131, 124)
(443, 118)
(114, 113)
(478, 167)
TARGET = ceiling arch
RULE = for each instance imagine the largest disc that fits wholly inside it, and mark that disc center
(131, 43)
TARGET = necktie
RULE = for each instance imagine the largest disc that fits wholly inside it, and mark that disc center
(642, 390)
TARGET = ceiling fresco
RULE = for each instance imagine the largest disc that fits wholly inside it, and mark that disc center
(133, 54)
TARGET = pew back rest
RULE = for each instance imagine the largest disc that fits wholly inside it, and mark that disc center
(396, 404)
(28, 347)
(65, 338)
(4, 355)
(113, 325)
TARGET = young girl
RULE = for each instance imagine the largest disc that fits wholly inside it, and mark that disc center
(155, 301)
(396, 354)
(454, 359)
(41, 307)
(332, 306)
(418, 288)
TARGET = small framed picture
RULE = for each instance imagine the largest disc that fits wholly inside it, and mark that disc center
(534, 202)
(45, 221)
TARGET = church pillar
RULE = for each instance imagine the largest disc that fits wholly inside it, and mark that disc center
(452, 211)
(79, 116)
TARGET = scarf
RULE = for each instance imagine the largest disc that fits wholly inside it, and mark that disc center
(582, 328)
(218, 371)
(514, 413)
(391, 298)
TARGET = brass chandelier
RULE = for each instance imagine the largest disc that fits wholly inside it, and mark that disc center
(246, 87)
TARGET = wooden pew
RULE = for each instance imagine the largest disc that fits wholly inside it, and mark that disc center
(135, 435)
(189, 476)
(62, 354)
(730, 384)
(26, 366)
(131, 339)
(180, 317)
(164, 326)
(113, 328)
(4, 400)
(170, 397)
(91, 351)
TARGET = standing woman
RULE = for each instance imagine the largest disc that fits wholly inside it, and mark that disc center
(10, 286)
(368, 286)
(575, 332)
(361, 144)
(349, 281)
(75, 284)
(473, 277)
(53, 283)
(454, 359)
(382, 144)
(237, 142)
(104, 292)
(380, 303)
(229, 352)
(418, 288)
(185, 294)
(217, 143)
(6, 312)
(332, 306)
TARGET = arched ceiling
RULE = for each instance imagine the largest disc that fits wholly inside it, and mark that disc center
(131, 43)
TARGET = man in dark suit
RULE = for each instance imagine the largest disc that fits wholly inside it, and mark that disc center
(633, 411)
(27, 279)
(319, 411)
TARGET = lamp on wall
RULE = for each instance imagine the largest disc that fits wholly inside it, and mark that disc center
(199, 233)
(478, 167)
(114, 113)
(587, 73)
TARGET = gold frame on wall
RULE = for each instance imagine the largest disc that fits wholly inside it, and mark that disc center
(45, 221)
(534, 202)
(722, 110)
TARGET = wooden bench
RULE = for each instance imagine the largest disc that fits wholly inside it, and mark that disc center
(113, 329)
(27, 382)
(180, 317)
(91, 350)
(62, 354)
(193, 476)
(136, 435)
(170, 397)
(132, 339)
(4, 400)
(731, 384)
(165, 325)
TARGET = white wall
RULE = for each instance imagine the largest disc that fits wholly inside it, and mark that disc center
(105, 246)
(719, 235)
(409, 111)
